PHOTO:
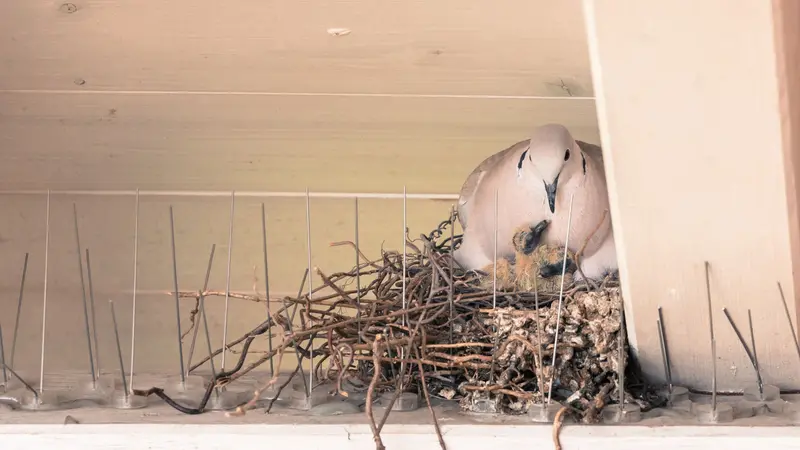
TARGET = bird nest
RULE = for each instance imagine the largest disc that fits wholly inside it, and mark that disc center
(587, 353)
(475, 337)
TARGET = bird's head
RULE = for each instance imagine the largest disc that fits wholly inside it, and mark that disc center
(551, 158)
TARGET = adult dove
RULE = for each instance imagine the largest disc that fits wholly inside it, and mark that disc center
(534, 180)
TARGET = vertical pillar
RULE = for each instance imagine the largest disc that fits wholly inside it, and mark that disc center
(688, 102)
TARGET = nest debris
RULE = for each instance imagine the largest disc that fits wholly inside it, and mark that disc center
(588, 352)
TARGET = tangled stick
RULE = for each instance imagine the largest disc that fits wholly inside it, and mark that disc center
(402, 374)
(308, 332)
(219, 379)
(242, 410)
(343, 368)
(591, 414)
(264, 326)
(280, 389)
(424, 387)
(376, 374)
(192, 318)
(557, 423)
(360, 253)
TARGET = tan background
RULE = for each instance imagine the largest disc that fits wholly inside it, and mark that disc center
(201, 96)
(257, 95)
(690, 100)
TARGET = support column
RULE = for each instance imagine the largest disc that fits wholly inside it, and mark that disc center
(688, 103)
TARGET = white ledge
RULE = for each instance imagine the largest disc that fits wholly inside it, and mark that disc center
(395, 437)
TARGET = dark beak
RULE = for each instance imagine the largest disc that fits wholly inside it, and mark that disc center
(551, 194)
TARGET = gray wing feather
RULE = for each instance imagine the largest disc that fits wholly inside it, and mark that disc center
(470, 186)
(591, 149)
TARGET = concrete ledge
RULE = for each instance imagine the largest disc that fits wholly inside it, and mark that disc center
(395, 437)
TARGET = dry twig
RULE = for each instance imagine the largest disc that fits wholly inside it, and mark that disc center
(376, 360)
(557, 423)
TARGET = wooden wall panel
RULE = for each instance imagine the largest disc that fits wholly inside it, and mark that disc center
(446, 47)
(252, 95)
(697, 173)
(107, 227)
(787, 45)
(117, 141)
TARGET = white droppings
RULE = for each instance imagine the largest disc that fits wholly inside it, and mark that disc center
(339, 31)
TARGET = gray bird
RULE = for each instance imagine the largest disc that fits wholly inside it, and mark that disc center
(534, 180)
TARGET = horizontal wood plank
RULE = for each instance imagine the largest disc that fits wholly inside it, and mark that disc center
(115, 141)
(511, 47)
(410, 430)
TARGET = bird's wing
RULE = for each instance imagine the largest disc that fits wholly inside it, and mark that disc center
(470, 186)
(594, 150)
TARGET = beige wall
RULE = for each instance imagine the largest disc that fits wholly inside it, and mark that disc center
(787, 44)
(199, 95)
(688, 98)
(258, 96)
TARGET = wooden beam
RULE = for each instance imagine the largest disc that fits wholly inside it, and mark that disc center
(234, 434)
(688, 107)
(787, 44)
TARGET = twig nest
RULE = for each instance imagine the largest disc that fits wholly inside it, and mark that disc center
(491, 360)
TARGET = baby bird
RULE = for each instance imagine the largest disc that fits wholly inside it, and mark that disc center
(534, 264)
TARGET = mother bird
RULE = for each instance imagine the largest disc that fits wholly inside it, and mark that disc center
(534, 180)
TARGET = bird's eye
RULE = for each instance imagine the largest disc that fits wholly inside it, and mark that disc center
(566, 155)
